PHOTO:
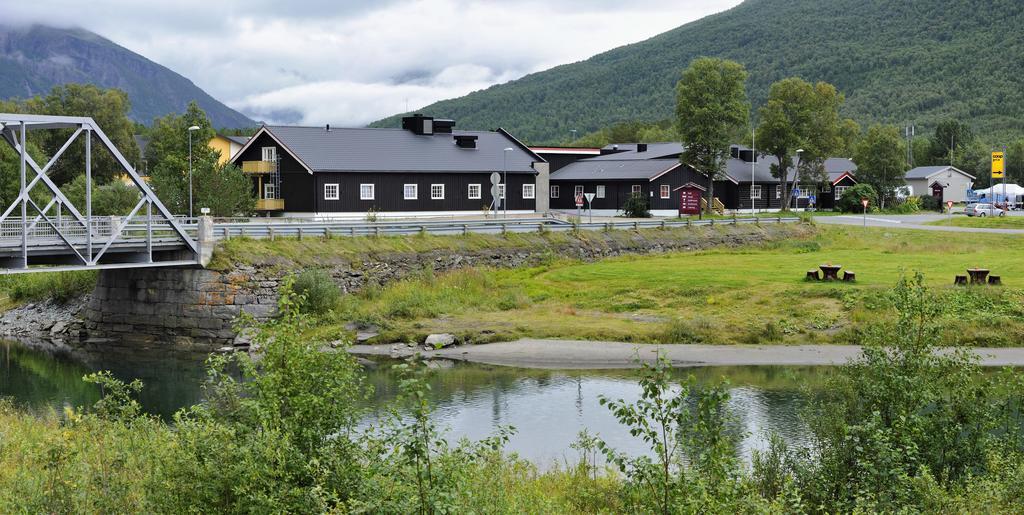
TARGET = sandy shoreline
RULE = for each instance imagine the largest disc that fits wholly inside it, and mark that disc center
(571, 354)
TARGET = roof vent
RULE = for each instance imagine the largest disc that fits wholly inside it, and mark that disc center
(748, 156)
(443, 126)
(465, 141)
(734, 151)
(328, 128)
(419, 124)
(641, 147)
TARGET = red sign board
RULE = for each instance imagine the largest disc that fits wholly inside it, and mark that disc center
(864, 202)
(689, 201)
(949, 204)
(579, 200)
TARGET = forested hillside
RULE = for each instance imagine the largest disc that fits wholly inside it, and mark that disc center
(897, 62)
(35, 59)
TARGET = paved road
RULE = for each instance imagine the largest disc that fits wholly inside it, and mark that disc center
(569, 354)
(911, 222)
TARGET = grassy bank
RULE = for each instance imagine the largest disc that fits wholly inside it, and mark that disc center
(989, 222)
(755, 294)
(59, 286)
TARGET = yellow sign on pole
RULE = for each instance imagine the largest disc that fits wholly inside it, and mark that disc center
(998, 165)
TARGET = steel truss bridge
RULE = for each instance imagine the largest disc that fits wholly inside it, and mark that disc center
(42, 230)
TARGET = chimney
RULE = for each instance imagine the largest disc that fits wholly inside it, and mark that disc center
(735, 151)
(641, 147)
(328, 127)
(465, 141)
(419, 124)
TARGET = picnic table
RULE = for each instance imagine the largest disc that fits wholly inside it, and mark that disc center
(978, 275)
(830, 272)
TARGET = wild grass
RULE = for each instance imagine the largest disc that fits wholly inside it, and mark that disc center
(58, 286)
(753, 294)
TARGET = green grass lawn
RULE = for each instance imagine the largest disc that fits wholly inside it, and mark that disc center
(747, 295)
(992, 222)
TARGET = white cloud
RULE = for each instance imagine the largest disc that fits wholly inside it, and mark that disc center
(351, 62)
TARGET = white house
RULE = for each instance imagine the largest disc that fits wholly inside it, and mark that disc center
(944, 182)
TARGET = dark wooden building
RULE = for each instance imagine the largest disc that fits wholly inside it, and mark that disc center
(424, 168)
(655, 171)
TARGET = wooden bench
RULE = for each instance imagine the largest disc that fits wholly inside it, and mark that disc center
(849, 277)
(812, 275)
(961, 280)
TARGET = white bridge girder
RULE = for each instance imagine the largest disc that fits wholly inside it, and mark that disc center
(59, 233)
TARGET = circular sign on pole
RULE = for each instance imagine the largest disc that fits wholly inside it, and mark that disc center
(495, 178)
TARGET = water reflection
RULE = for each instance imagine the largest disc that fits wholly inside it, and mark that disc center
(547, 408)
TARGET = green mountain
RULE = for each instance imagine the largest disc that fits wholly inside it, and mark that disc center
(34, 59)
(897, 62)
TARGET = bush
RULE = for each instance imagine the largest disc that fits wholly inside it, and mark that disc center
(930, 203)
(57, 286)
(636, 207)
(850, 201)
(318, 290)
(906, 206)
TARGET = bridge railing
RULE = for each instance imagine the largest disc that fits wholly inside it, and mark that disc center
(41, 232)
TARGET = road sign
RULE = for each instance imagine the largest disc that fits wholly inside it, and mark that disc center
(998, 165)
(590, 197)
(864, 202)
(495, 178)
(796, 192)
(949, 204)
(579, 200)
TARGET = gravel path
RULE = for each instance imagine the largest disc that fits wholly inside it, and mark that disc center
(569, 354)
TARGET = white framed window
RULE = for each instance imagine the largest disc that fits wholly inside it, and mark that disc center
(598, 192)
(437, 192)
(366, 192)
(529, 191)
(270, 154)
(825, 188)
(474, 191)
(410, 191)
(635, 189)
(554, 191)
(840, 190)
(269, 190)
(755, 192)
(808, 191)
(666, 191)
(578, 190)
(778, 191)
(501, 191)
(331, 192)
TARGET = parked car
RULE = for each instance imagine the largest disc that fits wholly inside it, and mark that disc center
(981, 209)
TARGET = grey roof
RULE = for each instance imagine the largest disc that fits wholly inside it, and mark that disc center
(924, 172)
(399, 150)
(605, 169)
(739, 170)
(627, 151)
(241, 140)
(142, 142)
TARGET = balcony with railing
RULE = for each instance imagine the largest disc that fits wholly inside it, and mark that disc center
(259, 167)
(270, 204)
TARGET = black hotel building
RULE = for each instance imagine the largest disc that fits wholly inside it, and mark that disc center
(424, 168)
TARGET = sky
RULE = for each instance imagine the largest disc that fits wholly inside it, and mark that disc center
(350, 62)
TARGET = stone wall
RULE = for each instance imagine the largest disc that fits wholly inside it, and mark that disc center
(194, 309)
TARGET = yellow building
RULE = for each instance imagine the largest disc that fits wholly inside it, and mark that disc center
(228, 146)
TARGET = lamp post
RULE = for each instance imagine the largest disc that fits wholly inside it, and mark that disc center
(753, 163)
(504, 180)
(796, 173)
(190, 131)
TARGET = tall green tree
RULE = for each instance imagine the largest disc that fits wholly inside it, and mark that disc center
(223, 189)
(950, 142)
(881, 158)
(800, 127)
(108, 107)
(711, 105)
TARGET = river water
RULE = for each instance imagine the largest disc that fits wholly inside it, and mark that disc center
(547, 408)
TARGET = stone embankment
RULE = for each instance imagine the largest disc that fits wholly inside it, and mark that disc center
(195, 310)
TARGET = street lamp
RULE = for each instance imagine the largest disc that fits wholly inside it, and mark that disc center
(504, 169)
(190, 131)
(796, 174)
